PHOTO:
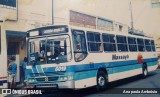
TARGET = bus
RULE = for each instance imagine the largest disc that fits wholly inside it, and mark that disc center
(69, 57)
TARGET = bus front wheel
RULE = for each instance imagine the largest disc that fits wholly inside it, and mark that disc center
(101, 81)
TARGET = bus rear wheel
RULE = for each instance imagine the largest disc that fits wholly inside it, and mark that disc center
(144, 70)
(101, 81)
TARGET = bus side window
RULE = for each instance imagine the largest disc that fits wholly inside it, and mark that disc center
(148, 45)
(122, 43)
(94, 42)
(140, 43)
(109, 42)
(153, 45)
(79, 45)
(132, 44)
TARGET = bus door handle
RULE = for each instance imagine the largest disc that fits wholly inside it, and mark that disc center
(91, 65)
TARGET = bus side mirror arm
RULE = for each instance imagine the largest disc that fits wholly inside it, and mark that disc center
(22, 43)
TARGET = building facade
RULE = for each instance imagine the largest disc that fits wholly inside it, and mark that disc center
(16, 17)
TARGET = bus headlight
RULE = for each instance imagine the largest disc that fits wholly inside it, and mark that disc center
(31, 80)
(63, 78)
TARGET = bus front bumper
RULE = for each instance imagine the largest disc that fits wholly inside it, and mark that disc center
(54, 85)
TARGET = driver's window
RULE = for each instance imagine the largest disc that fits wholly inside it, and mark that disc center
(34, 51)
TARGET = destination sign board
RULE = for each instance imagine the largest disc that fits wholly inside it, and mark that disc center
(48, 30)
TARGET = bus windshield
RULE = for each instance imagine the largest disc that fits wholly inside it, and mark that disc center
(49, 49)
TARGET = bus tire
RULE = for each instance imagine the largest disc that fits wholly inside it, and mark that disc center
(102, 80)
(144, 70)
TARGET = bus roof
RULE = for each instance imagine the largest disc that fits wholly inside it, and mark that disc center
(109, 32)
(90, 29)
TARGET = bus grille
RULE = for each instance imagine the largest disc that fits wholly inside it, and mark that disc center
(40, 79)
(48, 79)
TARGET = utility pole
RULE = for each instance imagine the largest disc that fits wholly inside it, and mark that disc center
(132, 26)
(52, 12)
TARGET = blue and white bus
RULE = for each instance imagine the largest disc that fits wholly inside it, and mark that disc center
(68, 57)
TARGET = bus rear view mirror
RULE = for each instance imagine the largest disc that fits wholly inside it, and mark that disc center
(22, 43)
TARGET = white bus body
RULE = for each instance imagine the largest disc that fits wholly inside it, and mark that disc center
(81, 64)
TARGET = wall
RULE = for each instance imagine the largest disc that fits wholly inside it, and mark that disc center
(145, 17)
(30, 15)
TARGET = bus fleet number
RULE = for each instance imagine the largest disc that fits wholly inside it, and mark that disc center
(60, 68)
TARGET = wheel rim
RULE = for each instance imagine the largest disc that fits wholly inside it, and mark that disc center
(145, 72)
(101, 81)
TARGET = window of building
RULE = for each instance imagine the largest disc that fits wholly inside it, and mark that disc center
(94, 41)
(120, 28)
(153, 45)
(77, 18)
(104, 24)
(79, 45)
(148, 45)
(132, 44)
(121, 43)
(140, 43)
(109, 42)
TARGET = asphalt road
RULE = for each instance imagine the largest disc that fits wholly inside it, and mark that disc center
(133, 85)
(152, 82)
(116, 89)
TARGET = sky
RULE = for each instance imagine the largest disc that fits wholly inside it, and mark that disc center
(145, 17)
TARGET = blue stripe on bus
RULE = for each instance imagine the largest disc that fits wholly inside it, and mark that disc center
(85, 67)
(34, 69)
(29, 71)
(39, 68)
(84, 75)
(93, 73)
(48, 69)
(113, 67)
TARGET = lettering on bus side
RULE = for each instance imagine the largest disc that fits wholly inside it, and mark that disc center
(115, 57)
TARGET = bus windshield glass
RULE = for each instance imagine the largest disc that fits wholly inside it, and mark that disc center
(49, 49)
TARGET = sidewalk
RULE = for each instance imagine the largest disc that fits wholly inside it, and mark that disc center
(19, 87)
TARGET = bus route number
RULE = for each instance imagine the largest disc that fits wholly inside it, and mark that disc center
(60, 68)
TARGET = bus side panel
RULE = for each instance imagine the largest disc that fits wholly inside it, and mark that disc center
(85, 79)
(130, 70)
(152, 65)
(125, 74)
